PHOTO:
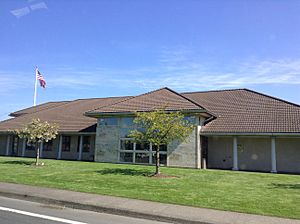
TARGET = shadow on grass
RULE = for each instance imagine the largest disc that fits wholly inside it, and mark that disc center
(286, 186)
(18, 162)
(120, 171)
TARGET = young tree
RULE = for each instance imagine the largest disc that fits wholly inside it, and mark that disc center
(37, 132)
(159, 127)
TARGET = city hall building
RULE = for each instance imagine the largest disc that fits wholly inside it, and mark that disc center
(237, 129)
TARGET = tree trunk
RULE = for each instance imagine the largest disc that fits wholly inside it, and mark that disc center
(37, 154)
(157, 172)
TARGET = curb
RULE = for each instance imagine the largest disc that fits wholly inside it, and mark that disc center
(100, 209)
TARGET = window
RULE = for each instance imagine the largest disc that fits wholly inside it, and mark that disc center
(162, 158)
(66, 143)
(140, 153)
(126, 157)
(162, 148)
(126, 121)
(29, 146)
(86, 144)
(108, 121)
(15, 144)
(127, 144)
(142, 157)
(124, 132)
(191, 119)
(47, 146)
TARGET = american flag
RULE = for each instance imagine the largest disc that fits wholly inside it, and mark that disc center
(40, 78)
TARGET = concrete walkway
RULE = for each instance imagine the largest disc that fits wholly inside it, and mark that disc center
(135, 208)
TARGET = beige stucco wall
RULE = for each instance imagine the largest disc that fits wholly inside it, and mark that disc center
(254, 153)
(183, 154)
(219, 154)
(107, 143)
(288, 154)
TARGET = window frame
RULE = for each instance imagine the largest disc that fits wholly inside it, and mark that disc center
(29, 146)
(151, 153)
(108, 121)
(49, 143)
(63, 148)
(84, 149)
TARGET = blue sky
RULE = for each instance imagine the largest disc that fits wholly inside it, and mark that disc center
(125, 47)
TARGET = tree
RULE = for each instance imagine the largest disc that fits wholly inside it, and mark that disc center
(37, 132)
(160, 128)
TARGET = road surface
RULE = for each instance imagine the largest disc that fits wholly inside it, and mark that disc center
(14, 211)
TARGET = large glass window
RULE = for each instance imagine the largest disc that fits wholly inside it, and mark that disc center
(47, 146)
(162, 158)
(126, 157)
(125, 131)
(108, 121)
(66, 143)
(29, 146)
(191, 119)
(142, 146)
(86, 144)
(126, 121)
(127, 144)
(162, 148)
(141, 152)
(142, 157)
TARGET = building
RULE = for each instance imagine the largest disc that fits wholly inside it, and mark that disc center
(237, 129)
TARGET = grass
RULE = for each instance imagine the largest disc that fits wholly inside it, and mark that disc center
(257, 193)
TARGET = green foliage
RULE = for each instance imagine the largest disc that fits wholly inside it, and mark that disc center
(159, 127)
(37, 131)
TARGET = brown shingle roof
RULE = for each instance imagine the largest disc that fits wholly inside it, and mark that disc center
(161, 98)
(247, 111)
(69, 116)
(237, 111)
(40, 107)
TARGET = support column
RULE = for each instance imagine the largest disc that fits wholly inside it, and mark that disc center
(41, 149)
(204, 152)
(59, 147)
(80, 147)
(235, 154)
(23, 147)
(198, 147)
(7, 145)
(273, 155)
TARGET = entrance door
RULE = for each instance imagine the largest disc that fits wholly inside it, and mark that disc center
(15, 146)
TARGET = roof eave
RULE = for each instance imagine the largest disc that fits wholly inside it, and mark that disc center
(131, 113)
(203, 133)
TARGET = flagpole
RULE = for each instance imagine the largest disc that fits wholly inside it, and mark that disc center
(35, 87)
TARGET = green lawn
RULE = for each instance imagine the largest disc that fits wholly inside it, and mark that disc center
(258, 193)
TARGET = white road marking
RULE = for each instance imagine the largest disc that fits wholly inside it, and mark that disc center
(40, 216)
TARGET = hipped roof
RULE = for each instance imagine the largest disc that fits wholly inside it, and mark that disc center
(232, 111)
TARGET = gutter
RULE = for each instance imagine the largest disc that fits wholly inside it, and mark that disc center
(250, 134)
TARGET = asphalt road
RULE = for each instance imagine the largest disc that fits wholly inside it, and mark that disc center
(14, 211)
